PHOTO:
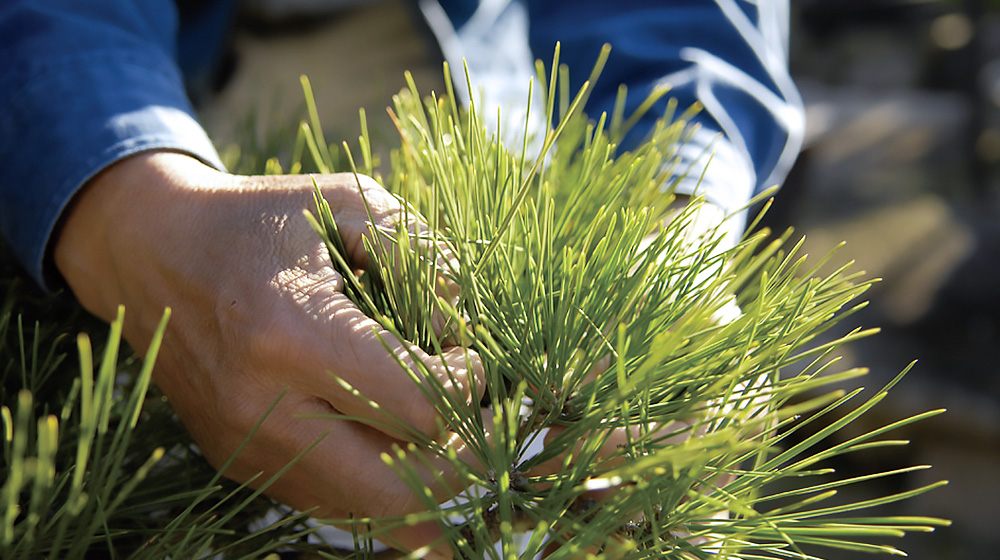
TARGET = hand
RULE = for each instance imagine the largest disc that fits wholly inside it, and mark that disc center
(259, 311)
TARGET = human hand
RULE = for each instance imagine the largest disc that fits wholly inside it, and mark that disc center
(259, 312)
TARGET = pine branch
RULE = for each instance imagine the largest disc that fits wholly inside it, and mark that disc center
(593, 311)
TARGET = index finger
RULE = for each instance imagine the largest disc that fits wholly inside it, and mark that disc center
(381, 378)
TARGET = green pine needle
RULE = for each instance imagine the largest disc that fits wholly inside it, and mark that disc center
(593, 311)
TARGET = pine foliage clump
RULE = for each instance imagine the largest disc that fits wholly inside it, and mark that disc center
(607, 331)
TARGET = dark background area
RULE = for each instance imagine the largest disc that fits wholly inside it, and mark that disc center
(902, 161)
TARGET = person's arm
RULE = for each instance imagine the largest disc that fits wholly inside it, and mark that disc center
(83, 84)
(729, 56)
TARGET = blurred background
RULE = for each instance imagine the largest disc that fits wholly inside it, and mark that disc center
(902, 161)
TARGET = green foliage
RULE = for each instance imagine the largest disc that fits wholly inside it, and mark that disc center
(92, 467)
(94, 463)
(597, 319)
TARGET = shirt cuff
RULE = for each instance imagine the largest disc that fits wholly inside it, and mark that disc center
(709, 167)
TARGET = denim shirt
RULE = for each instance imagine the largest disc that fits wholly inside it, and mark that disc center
(85, 84)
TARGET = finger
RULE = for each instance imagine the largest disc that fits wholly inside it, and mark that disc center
(609, 449)
(597, 369)
(364, 210)
(368, 211)
(403, 380)
(610, 455)
(475, 374)
(358, 203)
(614, 445)
(343, 475)
(334, 351)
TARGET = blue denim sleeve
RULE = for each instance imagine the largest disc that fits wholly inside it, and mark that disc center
(728, 55)
(82, 85)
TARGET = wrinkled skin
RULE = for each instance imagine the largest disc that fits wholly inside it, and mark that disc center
(258, 313)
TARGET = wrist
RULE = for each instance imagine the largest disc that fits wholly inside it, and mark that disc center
(106, 247)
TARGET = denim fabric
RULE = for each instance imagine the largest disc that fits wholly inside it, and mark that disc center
(84, 84)
(728, 55)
